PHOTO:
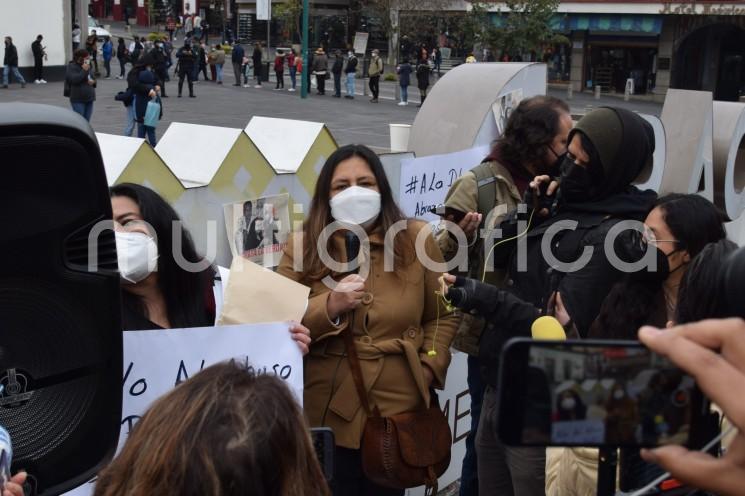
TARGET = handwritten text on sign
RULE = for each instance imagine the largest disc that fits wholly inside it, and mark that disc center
(157, 361)
(425, 181)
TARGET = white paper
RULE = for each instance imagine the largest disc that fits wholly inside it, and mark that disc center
(425, 181)
(156, 361)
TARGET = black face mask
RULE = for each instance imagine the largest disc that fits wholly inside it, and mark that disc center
(576, 183)
(634, 248)
(556, 164)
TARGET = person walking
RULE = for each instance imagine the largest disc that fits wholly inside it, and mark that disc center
(404, 80)
(170, 27)
(375, 71)
(279, 70)
(147, 90)
(236, 58)
(122, 54)
(91, 44)
(256, 59)
(219, 62)
(185, 68)
(76, 33)
(40, 56)
(292, 69)
(10, 63)
(351, 72)
(422, 76)
(320, 70)
(81, 84)
(336, 71)
(107, 50)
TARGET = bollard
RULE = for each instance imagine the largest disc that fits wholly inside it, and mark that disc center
(570, 92)
(597, 92)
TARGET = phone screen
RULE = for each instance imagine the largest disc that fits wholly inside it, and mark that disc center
(601, 393)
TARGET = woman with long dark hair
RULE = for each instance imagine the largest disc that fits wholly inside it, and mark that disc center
(165, 282)
(398, 324)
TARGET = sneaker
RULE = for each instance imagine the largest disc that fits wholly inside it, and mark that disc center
(402, 104)
(36, 81)
(192, 96)
(118, 77)
(291, 89)
(257, 86)
(42, 81)
(246, 86)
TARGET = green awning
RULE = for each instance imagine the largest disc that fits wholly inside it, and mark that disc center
(615, 23)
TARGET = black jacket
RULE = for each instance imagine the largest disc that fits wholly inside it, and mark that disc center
(238, 54)
(338, 66)
(11, 56)
(351, 65)
(133, 82)
(37, 49)
(186, 60)
(256, 56)
(77, 78)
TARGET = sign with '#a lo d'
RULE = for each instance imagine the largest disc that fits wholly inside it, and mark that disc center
(157, 361)
(360, 42)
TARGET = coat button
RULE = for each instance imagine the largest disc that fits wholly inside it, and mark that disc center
(367, 298)
(412, 333)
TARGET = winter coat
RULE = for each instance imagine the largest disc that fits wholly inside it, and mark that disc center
(133, 83)
(256, 56)
(219, 57)
(11, 56)
(238, 54)
(77, 78)
(107, 50)
(122, 52)
(186, 60)
(320, 64)
(376, 67)
(404, 74)
(394, 329)
(279, 63)
(148, 80)
(351, 65)
(422, 75)
(37, 50)
(338, 66)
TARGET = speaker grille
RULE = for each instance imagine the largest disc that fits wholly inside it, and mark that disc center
(78, 246)
(45, 333)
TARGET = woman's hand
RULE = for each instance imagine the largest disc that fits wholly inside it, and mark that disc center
(721, 376)
(152, 94)
(346, 296)
(301, 335)
(14, 487)
(469, 223)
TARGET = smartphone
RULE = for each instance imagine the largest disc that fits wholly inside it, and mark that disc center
(325, 446)
(595, 393)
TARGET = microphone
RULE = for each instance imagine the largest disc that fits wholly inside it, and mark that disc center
(547, 328)
(352, 245)
(6, 455)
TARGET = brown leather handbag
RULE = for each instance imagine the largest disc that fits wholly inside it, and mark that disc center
(406, 450)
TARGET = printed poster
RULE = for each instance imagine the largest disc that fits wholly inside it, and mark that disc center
(258, 228)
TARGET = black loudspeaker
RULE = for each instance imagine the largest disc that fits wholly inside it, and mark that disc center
(60, 322)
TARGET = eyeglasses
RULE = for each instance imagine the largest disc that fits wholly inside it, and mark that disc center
(649, 237)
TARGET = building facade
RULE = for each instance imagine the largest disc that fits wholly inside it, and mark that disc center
(649, 46)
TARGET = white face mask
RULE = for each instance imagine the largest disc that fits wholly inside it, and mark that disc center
(568, 403)
(356, 205)
(137, 254)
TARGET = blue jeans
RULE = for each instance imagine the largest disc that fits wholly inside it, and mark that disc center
(218, 68)
(130, 126)
(293, 79)
(16, 74)
(350, 84)
(469, 478)
(83, 108)
(405, 98)
(142, 129)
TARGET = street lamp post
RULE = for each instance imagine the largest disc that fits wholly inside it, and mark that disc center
(303, 78)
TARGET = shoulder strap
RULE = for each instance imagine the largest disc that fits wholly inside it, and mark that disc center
(486, 194)
(354, 367)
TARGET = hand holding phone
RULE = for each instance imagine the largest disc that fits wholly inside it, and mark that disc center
(722, 378)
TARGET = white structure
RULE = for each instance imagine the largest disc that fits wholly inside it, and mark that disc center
(24, 20)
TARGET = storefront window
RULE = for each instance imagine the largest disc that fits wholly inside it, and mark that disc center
(558, 60)
(611, 67)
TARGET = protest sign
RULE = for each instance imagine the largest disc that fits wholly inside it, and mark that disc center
(425, 181)
(504, 106)
(156, 361)
(258, 228)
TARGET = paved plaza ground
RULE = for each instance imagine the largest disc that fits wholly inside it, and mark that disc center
(350, 121)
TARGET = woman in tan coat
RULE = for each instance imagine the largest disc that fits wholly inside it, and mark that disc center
(401, 330)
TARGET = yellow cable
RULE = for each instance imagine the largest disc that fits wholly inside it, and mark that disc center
(491, 252)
